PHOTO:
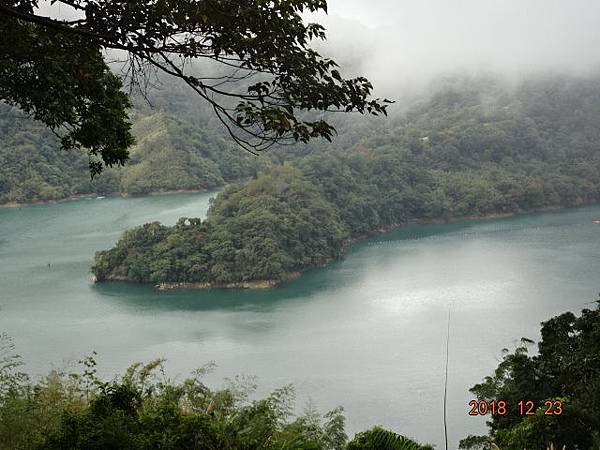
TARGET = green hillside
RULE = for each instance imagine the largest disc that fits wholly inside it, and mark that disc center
(467, 151)
(173, 152)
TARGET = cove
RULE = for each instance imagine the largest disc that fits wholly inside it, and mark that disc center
(366, 332)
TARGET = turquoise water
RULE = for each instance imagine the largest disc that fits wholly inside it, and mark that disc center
(367, 332)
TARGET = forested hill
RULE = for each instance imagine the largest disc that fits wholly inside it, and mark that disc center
(178, 147)
(471, 149)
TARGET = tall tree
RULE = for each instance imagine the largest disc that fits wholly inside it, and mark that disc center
(552, 397)
(55, 69)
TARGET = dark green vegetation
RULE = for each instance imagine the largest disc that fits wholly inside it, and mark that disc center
(62, 80)
(468, 151)
(183, 153)
(54, 68)
(566, 369)
(379, 439)
(262, 230)
(144, 410)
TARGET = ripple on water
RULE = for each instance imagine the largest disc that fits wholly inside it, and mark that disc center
(366, 332)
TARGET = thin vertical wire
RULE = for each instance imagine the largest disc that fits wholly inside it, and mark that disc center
(446, 382)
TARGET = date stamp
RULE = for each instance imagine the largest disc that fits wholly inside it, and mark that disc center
(523, 408)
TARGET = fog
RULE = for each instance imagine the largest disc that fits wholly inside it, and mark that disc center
(402, 45)
(406, 43)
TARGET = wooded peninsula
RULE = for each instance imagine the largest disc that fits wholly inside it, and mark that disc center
(471, 149)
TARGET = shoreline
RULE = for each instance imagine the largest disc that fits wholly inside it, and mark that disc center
(177, 285)
(449, 220)
(47, 202)
(243, 285)
(269, 284)
(113, 195)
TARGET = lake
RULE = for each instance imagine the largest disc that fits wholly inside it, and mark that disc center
(367, 332)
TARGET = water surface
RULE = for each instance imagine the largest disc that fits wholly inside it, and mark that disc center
(367, 332)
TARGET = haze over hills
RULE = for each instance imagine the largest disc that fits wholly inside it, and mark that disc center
(404, 46)
(497, 117)
(181, 146)
(472, 149)
(178, 148)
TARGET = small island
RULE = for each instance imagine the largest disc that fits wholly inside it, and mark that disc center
(256, 235)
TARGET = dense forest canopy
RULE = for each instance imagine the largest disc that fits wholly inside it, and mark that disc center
(467, 151)
(179, 147)
(262, 230)
(55, 68)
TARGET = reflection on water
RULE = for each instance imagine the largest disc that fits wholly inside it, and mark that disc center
(146, 297)
(366, 332)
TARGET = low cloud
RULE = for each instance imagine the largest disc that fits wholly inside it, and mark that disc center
(402, 43)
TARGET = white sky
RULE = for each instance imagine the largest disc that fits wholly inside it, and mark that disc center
(400, 43)
(412, 40)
